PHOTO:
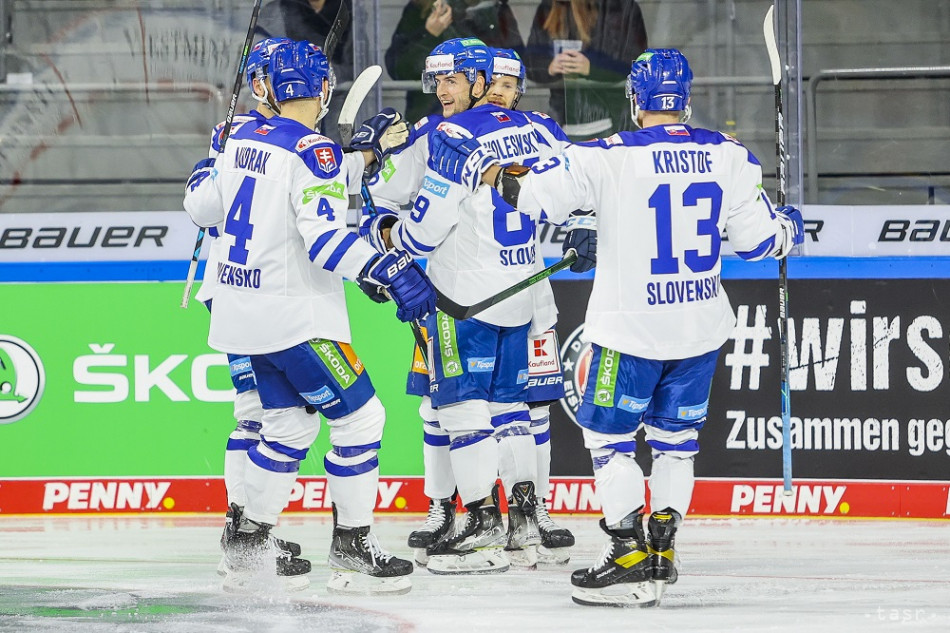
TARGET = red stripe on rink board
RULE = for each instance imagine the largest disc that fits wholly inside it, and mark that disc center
(711, 497)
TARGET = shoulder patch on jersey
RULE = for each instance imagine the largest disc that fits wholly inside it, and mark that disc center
(311, 140)
(264, 130)
(421, 122)
(613, 139)
(435, 187)
(541, 114)
(676, 130)
(501, 116)
(326, 159)
(335, 189)
(730, 137)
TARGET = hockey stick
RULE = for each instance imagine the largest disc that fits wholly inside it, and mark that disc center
(351, 105)
(780, 174)
(460, 312)
(228, 120)
(340, 23)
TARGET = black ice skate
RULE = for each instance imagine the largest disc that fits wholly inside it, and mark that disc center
(360, 565)
(477, 545)
(524, 537)
(253, 562)
(556, 542)
(439, 523)
(662, 529)
(231, 521)
(623, 575)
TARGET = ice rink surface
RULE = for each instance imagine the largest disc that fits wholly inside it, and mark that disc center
(157, 574)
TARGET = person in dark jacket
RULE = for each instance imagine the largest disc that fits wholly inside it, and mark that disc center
(574, 42)
(426, 23)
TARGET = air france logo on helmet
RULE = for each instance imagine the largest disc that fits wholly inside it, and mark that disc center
(22, 379)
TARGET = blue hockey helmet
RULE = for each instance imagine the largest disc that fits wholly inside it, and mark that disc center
(298, 71)
(660, 80)
(467, 55)
(506, 61)
(258, 60)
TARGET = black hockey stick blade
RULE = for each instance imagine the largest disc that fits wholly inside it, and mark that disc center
(460, 312)
(340, 23)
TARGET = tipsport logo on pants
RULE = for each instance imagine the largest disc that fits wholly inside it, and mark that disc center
(22, 379)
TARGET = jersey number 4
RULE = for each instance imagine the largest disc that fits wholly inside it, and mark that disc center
(662, 204)
(238, 221)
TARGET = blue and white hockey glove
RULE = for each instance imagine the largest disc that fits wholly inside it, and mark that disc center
(582, 237)
(456, 155)
(793, 229)
(405, 282)
(381, 134)
(202, 169)
(371, 229)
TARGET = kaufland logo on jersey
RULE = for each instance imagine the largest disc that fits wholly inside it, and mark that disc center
(22, 379)
(60, 496)
(543, 355)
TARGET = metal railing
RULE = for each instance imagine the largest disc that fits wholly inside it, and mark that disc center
(850, 74)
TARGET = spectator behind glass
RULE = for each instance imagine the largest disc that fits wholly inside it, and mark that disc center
(426, 23)
(311, 20)
(308, 20)
(588, 40)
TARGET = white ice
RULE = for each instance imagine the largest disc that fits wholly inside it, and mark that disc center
(157, 574)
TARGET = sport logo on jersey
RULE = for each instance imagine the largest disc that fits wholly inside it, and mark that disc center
(576, 356)
(501, 116)
(326, 161)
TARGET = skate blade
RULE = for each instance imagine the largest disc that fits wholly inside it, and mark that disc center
(659, 586)
(554, 555)
(524, 558)
(223, 566)
(483, 561)
(261, 583)
(421, 558)
(350, 583)
(638, 594)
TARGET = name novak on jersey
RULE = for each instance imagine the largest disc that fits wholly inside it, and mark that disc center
(251, 159)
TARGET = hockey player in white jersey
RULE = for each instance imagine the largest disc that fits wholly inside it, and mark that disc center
(657, 315)
(280, 191)
(479, 368)
(545, 377)
(397, 185)
(247, 403)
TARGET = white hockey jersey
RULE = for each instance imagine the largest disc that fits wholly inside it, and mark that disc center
(281, 193)
(663, 197)
(399, 181)
(206, 291)
(477, 244)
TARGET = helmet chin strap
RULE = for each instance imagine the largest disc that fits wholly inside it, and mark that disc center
(325, 97)
(267, 99)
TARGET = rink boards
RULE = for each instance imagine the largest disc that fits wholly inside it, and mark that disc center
(120, 406)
